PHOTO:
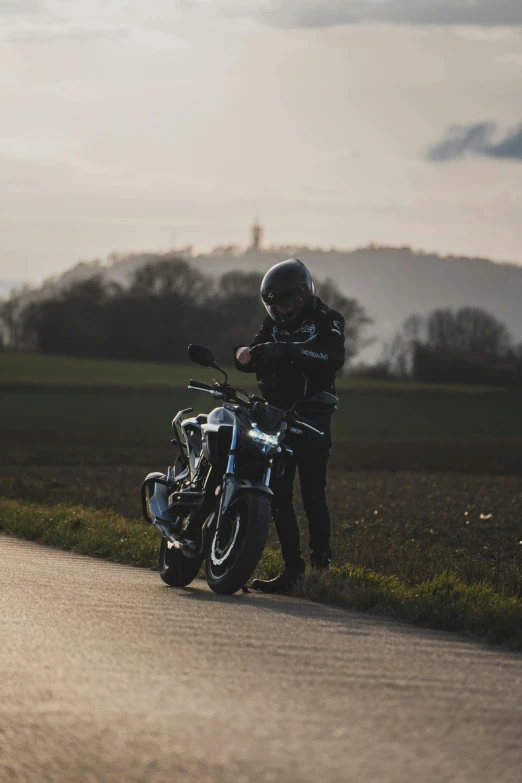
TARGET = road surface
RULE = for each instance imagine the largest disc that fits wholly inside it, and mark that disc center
(108, 675)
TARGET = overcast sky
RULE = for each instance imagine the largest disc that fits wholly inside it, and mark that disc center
(128, 125)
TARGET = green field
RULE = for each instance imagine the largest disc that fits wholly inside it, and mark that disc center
(46, 369)
(145, 415)
(71, 410)
(136, 401)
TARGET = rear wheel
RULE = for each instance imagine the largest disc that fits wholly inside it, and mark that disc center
(238, 544)
(175, 568)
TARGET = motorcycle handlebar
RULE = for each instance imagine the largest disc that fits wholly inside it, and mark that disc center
(222, 392)
(199, 386)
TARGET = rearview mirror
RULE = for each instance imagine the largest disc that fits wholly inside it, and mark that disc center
(201, 355)
(324, 399)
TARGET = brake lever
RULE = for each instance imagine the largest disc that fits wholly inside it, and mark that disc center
(309, 427)
(292, 421)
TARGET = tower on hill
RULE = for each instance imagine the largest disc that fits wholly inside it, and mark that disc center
(257, 236)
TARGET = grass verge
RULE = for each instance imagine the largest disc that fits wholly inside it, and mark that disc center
(81, 529)
(444, 602)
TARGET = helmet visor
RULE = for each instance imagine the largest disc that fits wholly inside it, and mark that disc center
(284, 306)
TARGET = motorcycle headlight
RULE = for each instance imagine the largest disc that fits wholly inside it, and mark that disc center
(263, 440)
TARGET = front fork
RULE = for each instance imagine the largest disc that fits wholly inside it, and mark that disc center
(231, 464)
(233, 485)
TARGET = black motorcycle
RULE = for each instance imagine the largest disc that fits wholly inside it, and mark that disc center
(214, 504)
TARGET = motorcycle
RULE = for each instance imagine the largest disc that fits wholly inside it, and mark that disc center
(214, 503)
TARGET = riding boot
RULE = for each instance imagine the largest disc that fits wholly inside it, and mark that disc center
(284, 583)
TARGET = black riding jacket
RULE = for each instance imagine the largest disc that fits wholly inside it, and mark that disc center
(314, 354)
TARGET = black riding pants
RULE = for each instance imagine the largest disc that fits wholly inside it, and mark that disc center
(310, 458)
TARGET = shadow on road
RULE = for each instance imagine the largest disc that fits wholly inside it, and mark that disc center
(348, 621)
(294, 607)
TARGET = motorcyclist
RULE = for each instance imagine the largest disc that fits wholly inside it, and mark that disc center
(297, 353)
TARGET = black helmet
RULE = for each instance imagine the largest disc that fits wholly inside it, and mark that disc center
(286, 290)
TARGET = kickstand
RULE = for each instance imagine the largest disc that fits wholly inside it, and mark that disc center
(245, 589)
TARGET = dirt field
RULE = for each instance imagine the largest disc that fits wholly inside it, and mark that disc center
(407, 523)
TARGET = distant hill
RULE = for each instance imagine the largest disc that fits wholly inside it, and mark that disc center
(390, 282)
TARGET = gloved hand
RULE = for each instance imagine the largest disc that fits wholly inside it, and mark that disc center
(266, 352)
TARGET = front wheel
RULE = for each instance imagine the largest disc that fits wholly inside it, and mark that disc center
(238, 543)
(175, 568)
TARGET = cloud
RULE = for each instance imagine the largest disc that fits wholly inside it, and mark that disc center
(327, 13)
(62, 32)
(464, 14)
(477, 139)
(509, 148)
(492, 35)
(19, 6)
(509, 58)
(41, 21)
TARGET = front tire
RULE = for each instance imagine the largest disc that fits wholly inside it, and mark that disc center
(234, 554)
(175, 568)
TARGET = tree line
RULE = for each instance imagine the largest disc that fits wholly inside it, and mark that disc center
(466, 345)
(167, 305)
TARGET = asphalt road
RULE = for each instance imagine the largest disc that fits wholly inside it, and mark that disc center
(108, 675)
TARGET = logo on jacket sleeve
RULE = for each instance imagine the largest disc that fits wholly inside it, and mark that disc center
(314, 354)
(337, 328)
(305, 333)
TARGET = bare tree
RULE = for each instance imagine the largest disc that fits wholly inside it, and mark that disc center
(398, 353)
(171, 276)
(468, 330)
(14, 330)
(355, 316)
